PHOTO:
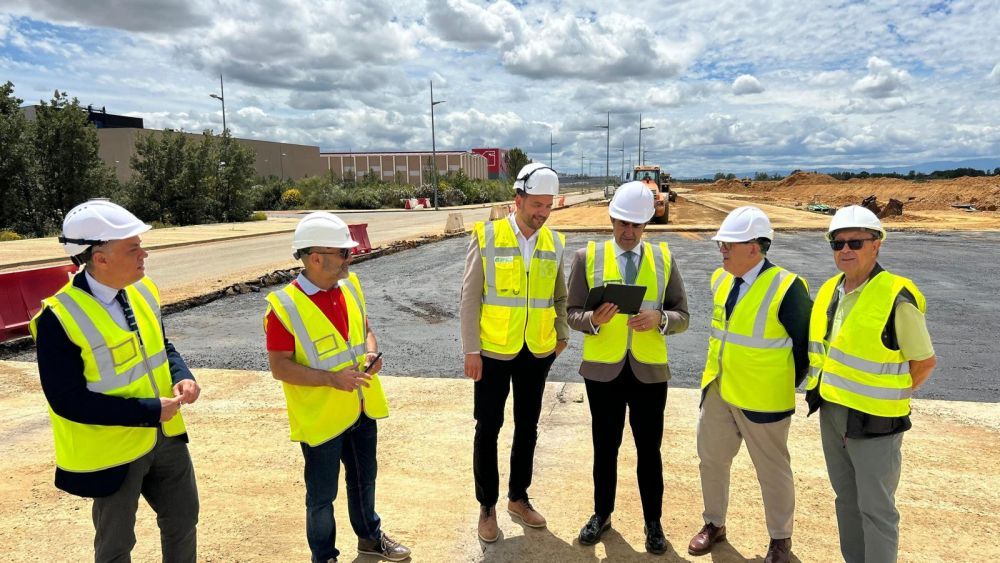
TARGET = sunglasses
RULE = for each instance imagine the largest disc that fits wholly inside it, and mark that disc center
(343, 252)
(856, 244)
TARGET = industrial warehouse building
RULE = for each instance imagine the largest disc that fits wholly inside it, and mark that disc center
(412, 168)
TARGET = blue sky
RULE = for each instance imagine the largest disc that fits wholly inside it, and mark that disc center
(727, 85)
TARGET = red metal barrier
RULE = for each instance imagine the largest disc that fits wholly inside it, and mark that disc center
(21, 295)
(359, 232)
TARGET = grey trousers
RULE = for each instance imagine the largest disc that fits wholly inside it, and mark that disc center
(721, 429)
(165, 478)
(864, 474)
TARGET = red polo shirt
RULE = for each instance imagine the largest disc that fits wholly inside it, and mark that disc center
(330, 301)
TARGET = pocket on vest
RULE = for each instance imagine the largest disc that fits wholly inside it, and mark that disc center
(494, 324)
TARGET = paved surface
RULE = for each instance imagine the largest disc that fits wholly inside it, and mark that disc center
(413, 307)
(251, 491)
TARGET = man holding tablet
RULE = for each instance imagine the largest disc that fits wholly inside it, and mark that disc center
(625, 356)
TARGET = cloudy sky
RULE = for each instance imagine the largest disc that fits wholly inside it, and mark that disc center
(726, 85)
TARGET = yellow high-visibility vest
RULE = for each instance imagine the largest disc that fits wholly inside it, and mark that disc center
(855, 369)
(115, 363)
(614, 337)
(750, 353)
(317, 414)
(518, 306)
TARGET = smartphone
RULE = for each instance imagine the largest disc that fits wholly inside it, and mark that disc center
(369, 366)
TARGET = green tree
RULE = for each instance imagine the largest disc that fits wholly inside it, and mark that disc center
(760, 176)
(719, 176)
(158, 164)
(515, 160)
(66, 154)
(20, 212)
(235, 178)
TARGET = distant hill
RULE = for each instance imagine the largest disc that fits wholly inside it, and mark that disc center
(987, 164)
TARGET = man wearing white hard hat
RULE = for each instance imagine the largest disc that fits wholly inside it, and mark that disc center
(757, 355)
(625, 356)
(324, 352)
(869, 351)
(513, 317)
(115, 385)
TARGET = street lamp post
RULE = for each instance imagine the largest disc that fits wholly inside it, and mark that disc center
(551, 144)
(221, 96)
(434, 146)
(582, 158)
(641, 128)
(283, 155)
(621, 177)
(607, 148)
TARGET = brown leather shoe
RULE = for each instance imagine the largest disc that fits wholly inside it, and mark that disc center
(384, 547)
(489, 532)
(780, 551)
(703, 541)
(523, 510)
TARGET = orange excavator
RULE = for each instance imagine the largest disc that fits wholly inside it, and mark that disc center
(659, 183)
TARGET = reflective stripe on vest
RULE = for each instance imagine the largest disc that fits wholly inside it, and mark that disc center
(751, 352)
(347, 356)
(518, 305)
(856, 369)
(661, 275)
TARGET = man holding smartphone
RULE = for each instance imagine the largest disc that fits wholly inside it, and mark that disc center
(321, 348)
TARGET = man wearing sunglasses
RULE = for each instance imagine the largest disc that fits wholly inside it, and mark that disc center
(625, 356)
(513, 317)
(322, 349)
(869, 351)
(757, 355)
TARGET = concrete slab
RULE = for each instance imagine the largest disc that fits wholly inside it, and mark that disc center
(251, 490)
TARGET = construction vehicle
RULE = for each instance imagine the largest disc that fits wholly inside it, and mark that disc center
(659, 183)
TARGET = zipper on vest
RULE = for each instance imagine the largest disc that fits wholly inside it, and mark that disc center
(722, 347)
(152, 381)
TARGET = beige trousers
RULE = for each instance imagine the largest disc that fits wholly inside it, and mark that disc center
(721, 429)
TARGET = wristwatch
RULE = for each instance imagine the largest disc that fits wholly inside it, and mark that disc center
(663, 320)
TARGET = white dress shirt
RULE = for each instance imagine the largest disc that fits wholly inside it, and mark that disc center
(748, 279)
(525, 244)
(106, 297)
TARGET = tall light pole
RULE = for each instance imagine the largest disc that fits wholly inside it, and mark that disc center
(434, 146)
(551, 144)
(641, 128)
(621, 177)
(221, 96)
(282, 163)
(607, 149)
(582, 158)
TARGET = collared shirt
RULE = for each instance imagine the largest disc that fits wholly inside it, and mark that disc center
(106, 296)
(622, 260)
(525, 244)
(748, 279)
(330, 301)
(911, 327)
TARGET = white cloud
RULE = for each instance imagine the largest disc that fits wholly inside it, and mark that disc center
(995, 74)
(828, 78)
(878, 105)
(882, 81)
(747, 84)
(468, 24)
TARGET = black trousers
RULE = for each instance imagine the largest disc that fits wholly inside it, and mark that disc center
(646, 404)
(527, 373)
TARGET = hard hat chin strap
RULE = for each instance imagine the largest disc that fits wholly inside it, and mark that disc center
(524, 181)
(80, 241)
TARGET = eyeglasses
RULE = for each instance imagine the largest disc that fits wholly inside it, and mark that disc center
(855, 244)
(727, 245)
(343, 252)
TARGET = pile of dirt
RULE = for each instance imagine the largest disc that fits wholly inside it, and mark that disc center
(807, 179)
(733, 184)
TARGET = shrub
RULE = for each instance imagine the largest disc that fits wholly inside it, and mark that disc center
(292, 199)
(258, 216)
(9, 235)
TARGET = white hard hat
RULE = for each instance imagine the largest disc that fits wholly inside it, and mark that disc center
(537, 179)
(97, 221)
(744, 224)
(855, 217)
(633, 202)
(322, 229)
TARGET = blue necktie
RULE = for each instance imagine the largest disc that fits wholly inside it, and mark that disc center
(122, 300)
(734, 293)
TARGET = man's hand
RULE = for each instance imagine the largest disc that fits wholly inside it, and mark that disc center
(187, 391)
(377, 367)
(647, 319)
(560, 346)
(349, 379)
(474, 366)
(604, 313)
(169, 408)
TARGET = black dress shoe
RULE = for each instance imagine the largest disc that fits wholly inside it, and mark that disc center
(596, 526)
(656, 543)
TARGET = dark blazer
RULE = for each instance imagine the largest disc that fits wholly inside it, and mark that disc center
(60, 367)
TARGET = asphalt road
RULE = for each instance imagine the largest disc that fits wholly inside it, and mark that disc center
(413, 307)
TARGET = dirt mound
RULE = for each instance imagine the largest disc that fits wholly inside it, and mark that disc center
(733, 184)
(807, 179)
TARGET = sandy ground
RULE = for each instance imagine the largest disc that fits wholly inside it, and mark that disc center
(251, 490)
